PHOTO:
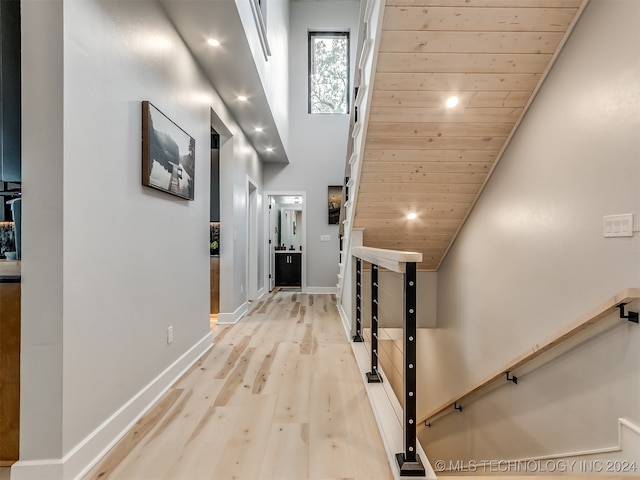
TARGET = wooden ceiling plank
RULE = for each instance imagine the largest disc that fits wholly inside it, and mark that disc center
(431, 155)
(418, 198)
(463, 62)
(456, 81)
(435, 129)
(488, 3)
(430, 167)
(439, 143)
(428, 115)
(430, 215)
(400, 41)
(419, 178)
(398, 208)
(433, 99)
(419, 188)
(475, 19)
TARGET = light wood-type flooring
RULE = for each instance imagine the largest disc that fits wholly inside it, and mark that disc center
(279, 396)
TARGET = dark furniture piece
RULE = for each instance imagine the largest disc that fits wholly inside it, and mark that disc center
(288, 269)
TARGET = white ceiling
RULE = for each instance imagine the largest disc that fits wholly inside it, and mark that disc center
(229, 67)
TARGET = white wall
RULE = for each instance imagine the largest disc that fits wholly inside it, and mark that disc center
(532, 258)
(239, 164)
(109, 264)
(318, 143)
(274, 71)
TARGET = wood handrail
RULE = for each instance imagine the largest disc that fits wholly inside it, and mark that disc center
(602, 311)
(394, 260)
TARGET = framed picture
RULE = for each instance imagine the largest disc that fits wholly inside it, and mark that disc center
(335, 202)
(168, 154)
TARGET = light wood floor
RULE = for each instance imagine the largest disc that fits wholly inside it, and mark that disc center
(279, 396)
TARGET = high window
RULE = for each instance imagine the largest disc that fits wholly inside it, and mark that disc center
(328, 72)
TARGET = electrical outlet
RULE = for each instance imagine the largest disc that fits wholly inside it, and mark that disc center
(169, 335)
(325, 238)
(241, 288)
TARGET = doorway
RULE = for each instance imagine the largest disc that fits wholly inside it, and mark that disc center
(285, 222)
(253, 199)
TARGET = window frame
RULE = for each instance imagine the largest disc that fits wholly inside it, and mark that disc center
(311, 35)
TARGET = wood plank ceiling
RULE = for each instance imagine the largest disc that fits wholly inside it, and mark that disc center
(423, 157)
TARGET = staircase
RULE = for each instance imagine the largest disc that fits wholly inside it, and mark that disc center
(411, 154)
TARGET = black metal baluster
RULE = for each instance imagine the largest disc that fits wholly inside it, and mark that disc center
(373, 376)
(409, 461)
(358, 336)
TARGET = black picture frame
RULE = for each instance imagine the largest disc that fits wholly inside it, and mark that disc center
(168, 154)
(334, 203)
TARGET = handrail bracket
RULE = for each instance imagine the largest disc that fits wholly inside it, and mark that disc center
(631, 316)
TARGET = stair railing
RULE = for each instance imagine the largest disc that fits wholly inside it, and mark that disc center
(511, 370)
(409, 462)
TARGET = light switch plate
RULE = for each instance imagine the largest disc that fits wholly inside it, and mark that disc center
(618, 225)
(325, 238)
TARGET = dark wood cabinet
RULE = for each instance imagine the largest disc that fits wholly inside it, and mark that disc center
(10, 364)
(288, 269)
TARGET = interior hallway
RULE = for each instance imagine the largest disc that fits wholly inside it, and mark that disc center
(279, 396)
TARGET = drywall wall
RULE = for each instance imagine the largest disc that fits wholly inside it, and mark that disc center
(42, 231)
(532, 258)
(273, 69)
(318, 143)
(390, 298)
(110, 264)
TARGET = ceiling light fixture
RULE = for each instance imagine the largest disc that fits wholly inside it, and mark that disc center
(213, 42)
(259, 129)
(452, 101)
(242, 98)
(412, 216)
(269, 149)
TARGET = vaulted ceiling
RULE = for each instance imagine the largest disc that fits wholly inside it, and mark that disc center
(425, 158)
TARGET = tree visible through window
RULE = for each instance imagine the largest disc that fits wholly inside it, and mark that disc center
(328, 72)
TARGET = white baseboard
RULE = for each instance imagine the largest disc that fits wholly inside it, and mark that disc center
(345, 321)
(76, 463)
(232, 318)
(321, 290)
(628, 441)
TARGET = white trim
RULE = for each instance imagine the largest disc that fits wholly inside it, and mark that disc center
(595, 451)
(622, 422)
(361, 91)
(388, 414)
(261, 27)
(364, 55)
(368, 11)
(356, 129)
(320, 290)
(265, 204)
(232, 318)
(345, 321)
(253, 240)
(94, 446)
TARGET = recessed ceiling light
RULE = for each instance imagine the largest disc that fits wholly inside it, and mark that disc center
(412, 216)
(213, 42)
(452, 101)
(259, 129)
(242, 98)
(269, 149)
